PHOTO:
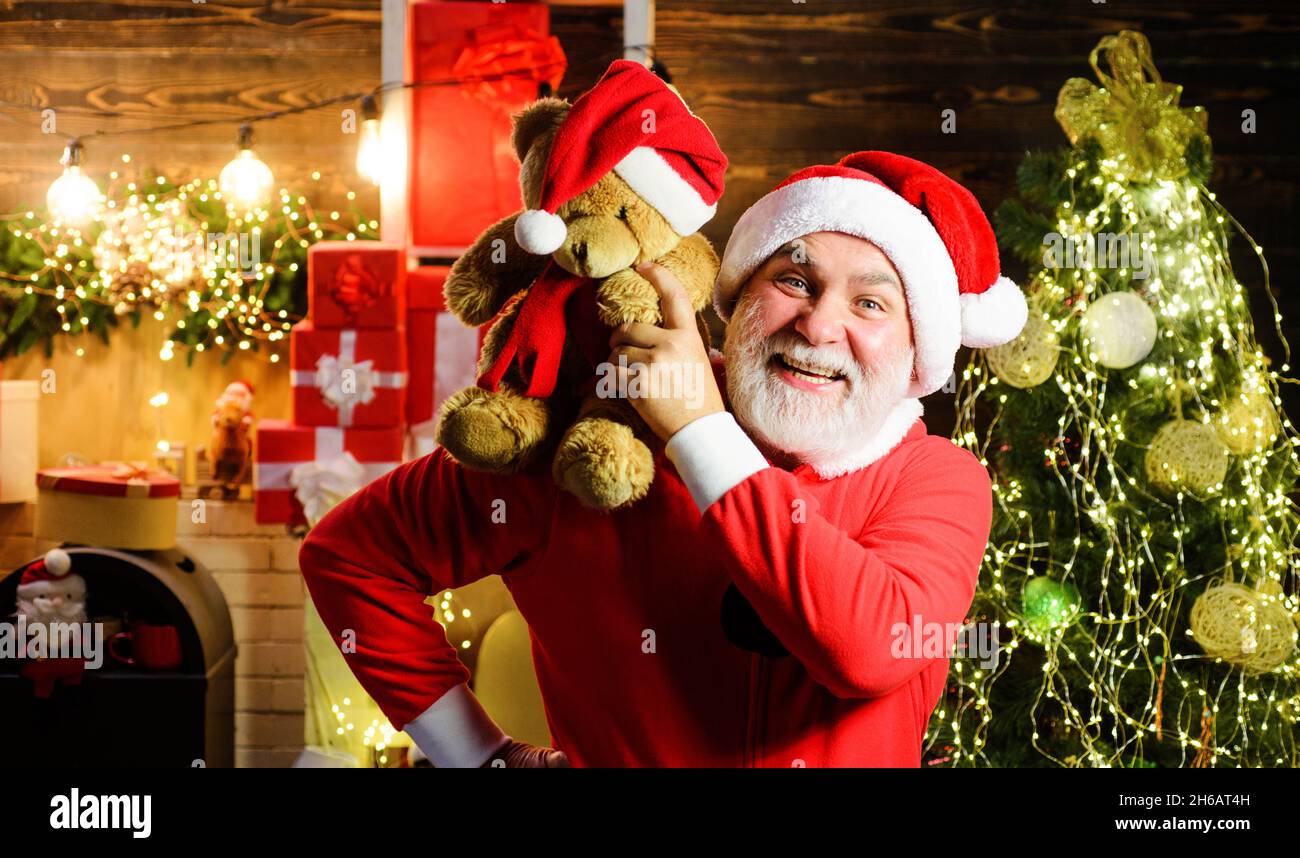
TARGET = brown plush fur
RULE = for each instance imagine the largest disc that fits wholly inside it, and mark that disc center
(603, 457)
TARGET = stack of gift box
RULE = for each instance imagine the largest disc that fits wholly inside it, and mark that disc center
(370, 365)
(349, 373)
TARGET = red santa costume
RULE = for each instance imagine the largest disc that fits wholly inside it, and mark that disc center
(741, 614)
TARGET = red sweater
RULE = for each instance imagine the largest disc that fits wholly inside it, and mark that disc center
(633, 650)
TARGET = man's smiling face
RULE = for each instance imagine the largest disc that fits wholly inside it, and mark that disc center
(819, 348)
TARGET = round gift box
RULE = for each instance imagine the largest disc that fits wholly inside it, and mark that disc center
(91, 506)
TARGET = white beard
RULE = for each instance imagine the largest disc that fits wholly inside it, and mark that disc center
(71, 608)
(809, 426)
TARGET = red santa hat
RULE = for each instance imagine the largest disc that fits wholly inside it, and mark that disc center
(244, 383)
(45, 575)
(931, 228)
(630, 122)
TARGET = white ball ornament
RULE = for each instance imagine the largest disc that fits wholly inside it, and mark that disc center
(1120, 329)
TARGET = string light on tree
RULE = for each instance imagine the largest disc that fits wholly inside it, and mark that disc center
(1172, 514)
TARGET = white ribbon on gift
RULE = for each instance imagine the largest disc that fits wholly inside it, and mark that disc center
(455, 365)
(321, 485)
(273, 476)
(331, 371)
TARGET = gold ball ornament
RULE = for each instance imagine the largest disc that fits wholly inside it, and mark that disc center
(1119, 330)
(1248, 628)
(1248, 425)
(1029, 359)
(1186, 456)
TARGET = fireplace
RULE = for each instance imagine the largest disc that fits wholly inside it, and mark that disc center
(123, 715)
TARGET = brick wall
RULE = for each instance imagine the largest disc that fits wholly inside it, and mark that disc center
(256, 567)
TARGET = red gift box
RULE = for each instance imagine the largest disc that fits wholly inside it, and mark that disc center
(111, 479)
(280, 448)
(348, 376)
(464, 173)
(443, 352)
(356, 284)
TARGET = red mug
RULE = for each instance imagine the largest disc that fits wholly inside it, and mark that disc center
(153, 647)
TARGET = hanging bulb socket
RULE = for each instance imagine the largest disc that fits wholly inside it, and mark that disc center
(369, 108)
(72, 153)
(245, 140)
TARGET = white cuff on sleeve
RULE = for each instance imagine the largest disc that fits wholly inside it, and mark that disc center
(713, 454)
(456, 732)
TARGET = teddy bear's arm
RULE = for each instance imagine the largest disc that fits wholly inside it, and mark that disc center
(489, 272)
(696, 265)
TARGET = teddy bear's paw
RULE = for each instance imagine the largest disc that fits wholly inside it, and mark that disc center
(603, 464)
(471, 297)
(626, 296)
(495, 432)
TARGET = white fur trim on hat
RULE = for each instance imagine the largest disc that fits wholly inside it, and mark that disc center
(993, 317)
(71, 585)
(655, 181)
(540, 232)
(874, 212)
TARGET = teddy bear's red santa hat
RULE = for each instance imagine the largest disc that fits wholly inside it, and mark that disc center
(931, 228)
(630, 123)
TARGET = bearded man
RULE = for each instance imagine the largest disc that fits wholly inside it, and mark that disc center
(754, 608)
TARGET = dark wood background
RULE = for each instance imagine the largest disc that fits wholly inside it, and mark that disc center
(783, 84)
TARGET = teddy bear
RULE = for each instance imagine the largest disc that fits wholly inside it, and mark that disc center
(624, 175)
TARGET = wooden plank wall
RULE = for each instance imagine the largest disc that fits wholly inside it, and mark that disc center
(160, 61)
(784, 84)
(787, 84)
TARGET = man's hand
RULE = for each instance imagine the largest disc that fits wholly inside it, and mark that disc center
(665, 371)
(521, 755)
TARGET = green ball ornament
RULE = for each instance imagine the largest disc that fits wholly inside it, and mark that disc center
(1048, 604)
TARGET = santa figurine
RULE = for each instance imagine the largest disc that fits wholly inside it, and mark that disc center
(230, 451)
(50, 593)
(240, 395)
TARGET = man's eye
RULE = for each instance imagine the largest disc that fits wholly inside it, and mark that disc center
(793, 282)
(869, 304)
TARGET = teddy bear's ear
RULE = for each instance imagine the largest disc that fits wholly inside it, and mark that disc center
(537, 120)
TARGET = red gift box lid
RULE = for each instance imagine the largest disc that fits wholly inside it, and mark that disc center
(424, 287)
(111, 479)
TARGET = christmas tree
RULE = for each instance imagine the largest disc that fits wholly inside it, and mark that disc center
(1141, 566)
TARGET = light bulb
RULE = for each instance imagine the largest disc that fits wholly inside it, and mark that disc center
(73, 197)
(370, 152)
(246, 181)
(371, 158)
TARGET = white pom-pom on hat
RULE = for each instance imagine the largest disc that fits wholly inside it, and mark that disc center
(57, 562)
(540, 232)
(993, 317)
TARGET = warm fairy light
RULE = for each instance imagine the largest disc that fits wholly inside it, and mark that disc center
(155, 248)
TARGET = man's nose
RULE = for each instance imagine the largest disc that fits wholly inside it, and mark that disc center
(821, 322)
